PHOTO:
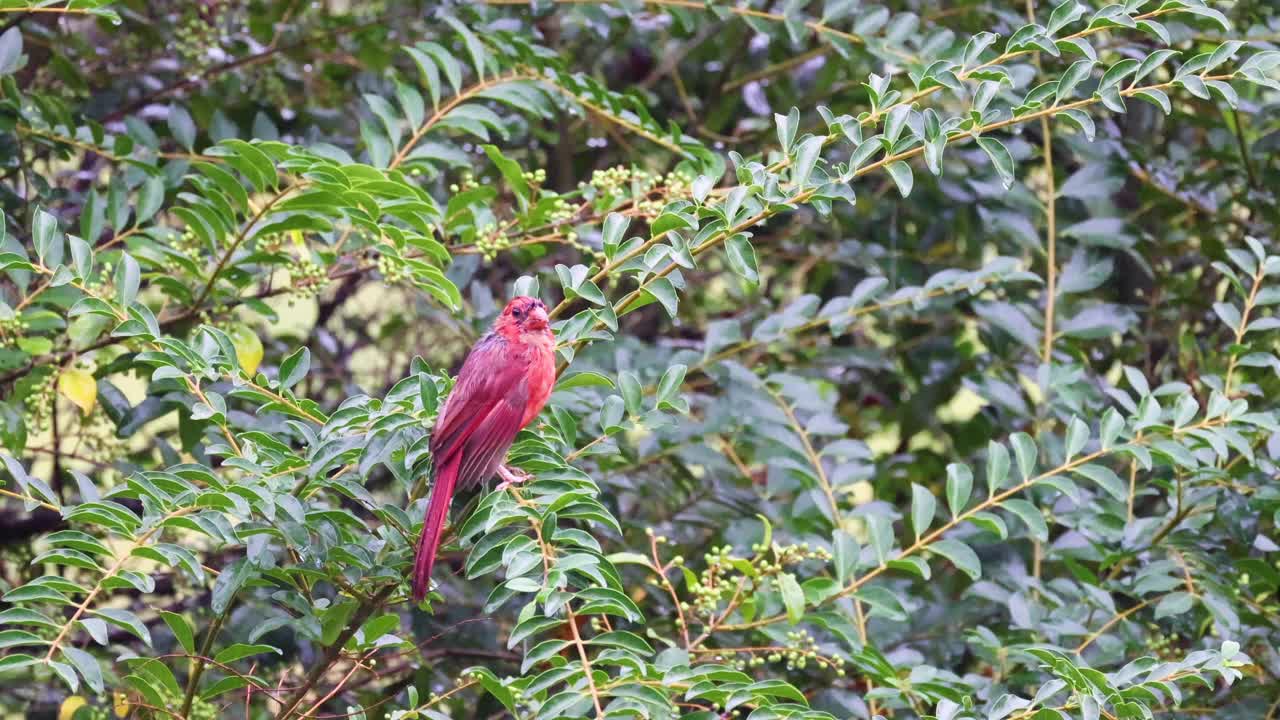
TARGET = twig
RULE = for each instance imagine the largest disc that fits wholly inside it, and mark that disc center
(362, 613)
(1107, 625)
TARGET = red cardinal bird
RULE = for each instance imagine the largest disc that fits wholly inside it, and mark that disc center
(502, 386)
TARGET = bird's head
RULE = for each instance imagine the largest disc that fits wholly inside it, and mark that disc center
(524, 315)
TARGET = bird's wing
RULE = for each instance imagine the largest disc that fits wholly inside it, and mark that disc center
(488, 444)
(485, 407)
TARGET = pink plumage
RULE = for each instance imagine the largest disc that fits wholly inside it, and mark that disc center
(503, 385)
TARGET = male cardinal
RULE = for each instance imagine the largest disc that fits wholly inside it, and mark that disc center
(503, 384)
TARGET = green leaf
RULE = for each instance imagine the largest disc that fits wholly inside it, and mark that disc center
(669, 386)
(47, 238)
(531, 627)
(902, 177)
(1112, 424)
(990, 522)
(792, 597)
(1214, 15)
(1116, 73)
(997, 466)
(150, 198)
(844, 556)
(11, 58)
(1077, 437)
(960, 555)
(181, 126)
(295, 367)
(806, 158)
(475, 48)
(959, 487)
(1175, 603)
(128, 278)
(1030, 515)
(1024, 448)
(621, 639)
(883, 602)
(1000, 158)
(1153, 61)
(126, 620)
(181, 630)
(662, 291)
(240, 651)
(1157, 98)
(787, 126)
(86, 665)
(742, 257)
(1105, 478)
(493, 686)
(1081, 120)
(1224, 91)
(614, 227)
(1078, 71)
(584, 379)
(913, 564)
(229, 583)
(512, 173)
(1064, 14)
(923, 507)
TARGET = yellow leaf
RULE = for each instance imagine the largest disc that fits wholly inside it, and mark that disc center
(79, 387)
(248, 348)
(70, 706)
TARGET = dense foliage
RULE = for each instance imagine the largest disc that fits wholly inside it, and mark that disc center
(917, 359)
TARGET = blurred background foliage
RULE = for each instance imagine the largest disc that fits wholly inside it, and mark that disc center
(920, 357)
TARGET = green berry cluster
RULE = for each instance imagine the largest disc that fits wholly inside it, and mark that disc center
(185, 244)
(96, 435)
(561, 211)
(638, 184)
(468, 183)
(393, 270)
(200, 709)
(713, 584)
(490, 240)
(12, 328)
(196, 34)
(535, 178)
(271, 242)
(309, 279)
(216, 316)
(719, 580)
(40, 404)
(614, 181)
(103, 286)
(800, 650)
(1166, 646)
(267, 84)
(785, 555)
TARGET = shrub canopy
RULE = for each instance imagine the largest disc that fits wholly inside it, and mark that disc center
(916, 360)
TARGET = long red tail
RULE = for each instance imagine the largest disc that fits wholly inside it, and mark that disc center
(429, 541)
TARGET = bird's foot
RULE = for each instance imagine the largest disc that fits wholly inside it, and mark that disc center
(510, 476)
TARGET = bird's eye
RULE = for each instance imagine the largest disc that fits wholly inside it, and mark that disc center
(518, 312)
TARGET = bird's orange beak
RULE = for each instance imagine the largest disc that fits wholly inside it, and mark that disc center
(538, 319)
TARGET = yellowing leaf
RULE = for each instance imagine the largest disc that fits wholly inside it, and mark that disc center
(121, 704)
(248, 348)
(70, 706)
(79, 387)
